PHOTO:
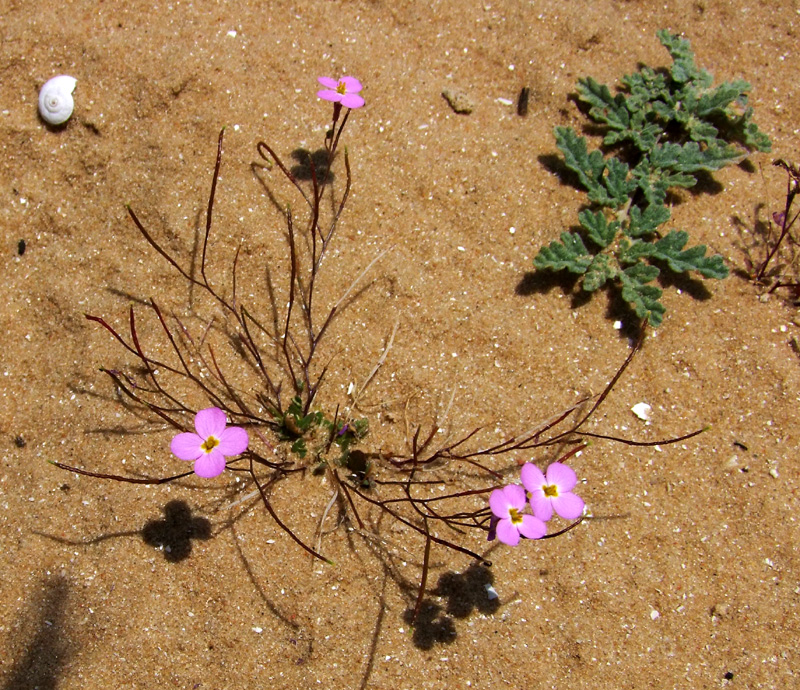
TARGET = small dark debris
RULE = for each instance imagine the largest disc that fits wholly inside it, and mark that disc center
(728, 675)
(20, 442)
(20, 247)
(741, 445)
(64, 487)
(522, 101)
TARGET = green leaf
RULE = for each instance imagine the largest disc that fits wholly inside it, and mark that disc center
(618, 182)
(654, 182)
(669, 247)
(606, 108)
(690, 157)
(632, 252)
(716, 101)
(642, 273)
(645, 86)
(699, 130)
(684, 68)
(599, 272)
(643, 298)
(597, 227)
(588, 167)
(746, 131)
(570, 253)
(641, 223)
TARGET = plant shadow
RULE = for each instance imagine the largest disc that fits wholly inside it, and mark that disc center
(48, 649)
(463, 594)
(174, 534)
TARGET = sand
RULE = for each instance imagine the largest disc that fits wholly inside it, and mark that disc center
(687, 576)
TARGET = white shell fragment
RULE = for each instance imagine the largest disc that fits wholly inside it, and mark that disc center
(55, 99)
(642, 411)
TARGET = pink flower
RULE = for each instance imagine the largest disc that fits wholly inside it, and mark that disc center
(507, 505)
(213, 441)
(552, 492)
(344, 91)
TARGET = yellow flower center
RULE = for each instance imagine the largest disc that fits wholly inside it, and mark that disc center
(550, 490)
(209, 444)
(341, 88)
(515, 515)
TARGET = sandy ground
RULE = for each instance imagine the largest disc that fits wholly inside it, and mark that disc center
(693, 578)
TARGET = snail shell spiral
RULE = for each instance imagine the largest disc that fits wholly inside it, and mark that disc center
(55, 99)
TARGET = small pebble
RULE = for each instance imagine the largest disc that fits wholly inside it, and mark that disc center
(720, 610)
(643, 411)
(459, 101)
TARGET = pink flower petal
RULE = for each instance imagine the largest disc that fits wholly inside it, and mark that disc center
(499, 503)
(532, 527)
(328, 82)
(515, 495)
(532, 477)
(352, 100)
(507, 532)
(351, 84)
(327, 95)
(210, 464)
(563, 476)
(568, 506)
(233, 440)
(210, 422)
(186, 446)
(541, 506)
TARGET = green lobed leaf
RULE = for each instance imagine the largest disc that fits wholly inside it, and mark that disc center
(299, 448)
(642, 273)
(700, 130)
(669, 248)
(655, 182)
(569, 253)
(588, 167)
(606, 108)
(691, 157)
(618, 182)
(644, 222)
(597, 227)
(643, 298)
(716, 101)
(746, 131)
(632, 252)
(684, 68)
(645, 86)
(599, 272)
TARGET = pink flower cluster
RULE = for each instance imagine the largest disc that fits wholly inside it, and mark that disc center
(545, 493)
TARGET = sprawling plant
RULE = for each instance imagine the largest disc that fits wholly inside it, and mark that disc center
(662, 131)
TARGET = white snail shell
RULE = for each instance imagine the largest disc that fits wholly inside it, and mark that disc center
(55, 99)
